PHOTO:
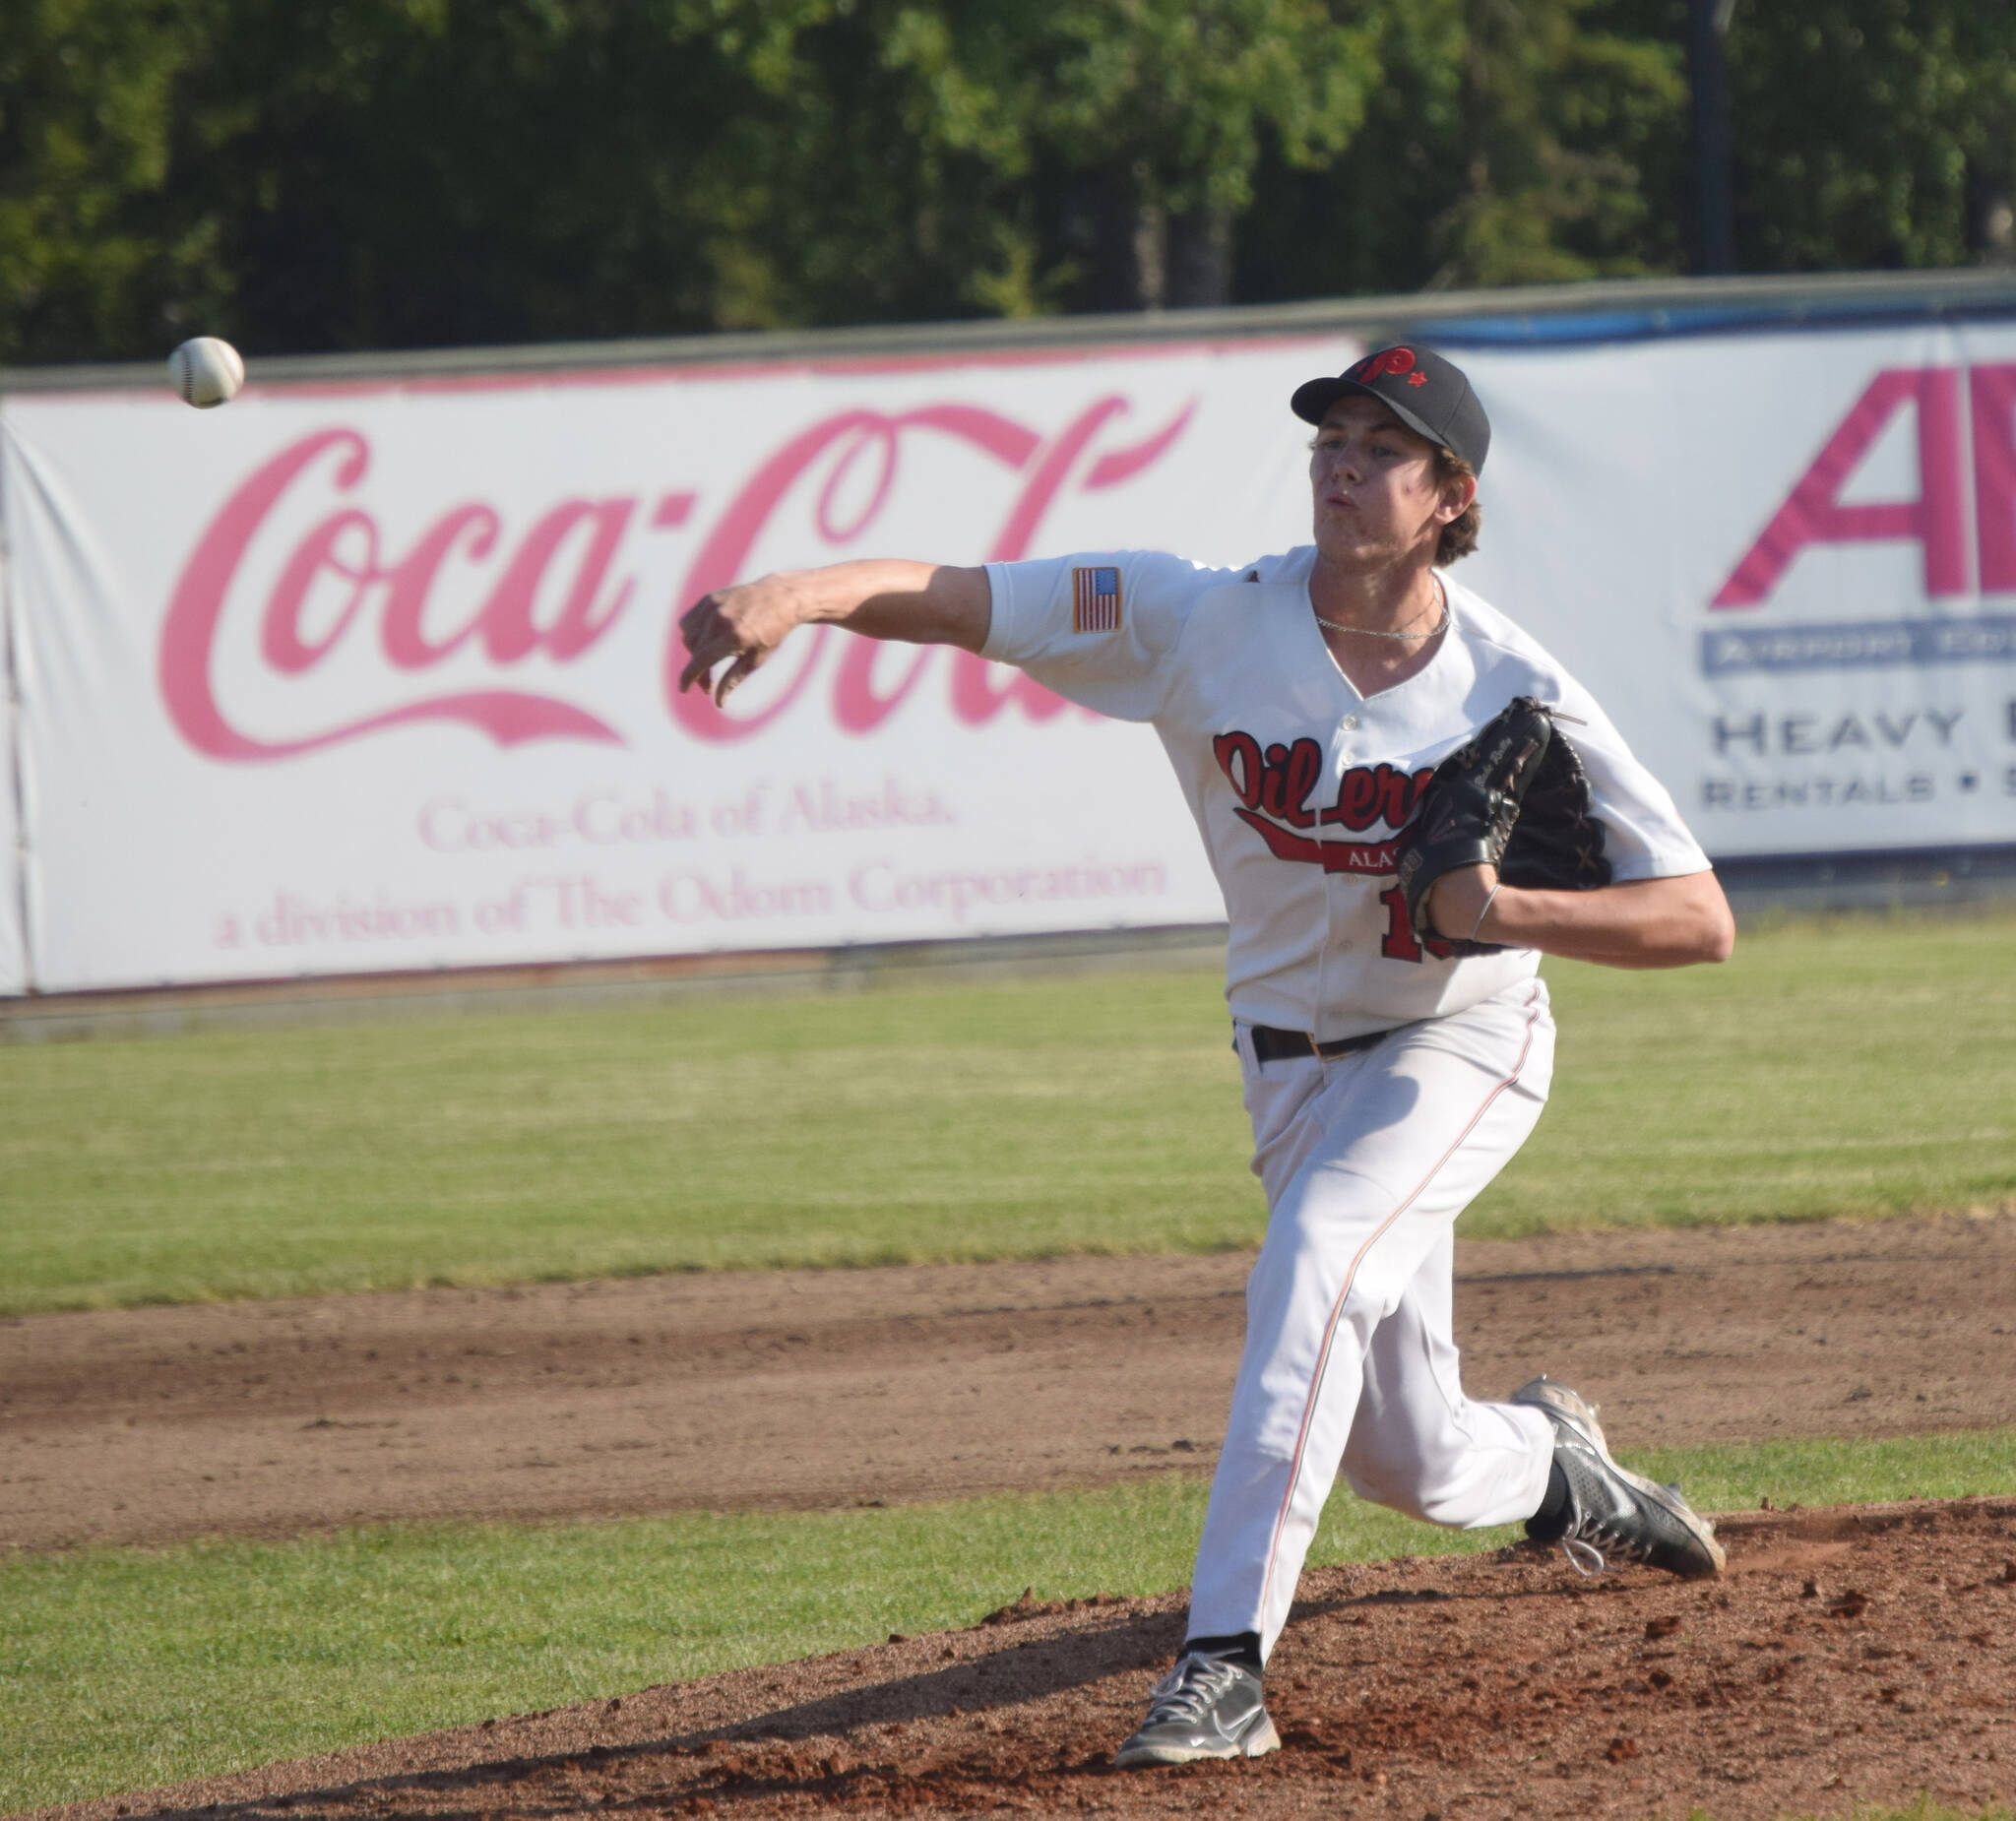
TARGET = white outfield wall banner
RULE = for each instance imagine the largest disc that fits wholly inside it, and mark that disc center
(14, 974)
(1786, 563)
(380, 676)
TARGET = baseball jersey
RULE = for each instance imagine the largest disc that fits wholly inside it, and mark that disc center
(1299, 783)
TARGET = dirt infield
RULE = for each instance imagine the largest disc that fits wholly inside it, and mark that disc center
(833, 1387)
(1847, 1658)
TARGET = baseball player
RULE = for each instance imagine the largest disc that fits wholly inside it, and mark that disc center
(1322, 711)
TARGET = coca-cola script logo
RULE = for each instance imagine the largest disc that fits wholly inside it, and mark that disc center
(560, 586)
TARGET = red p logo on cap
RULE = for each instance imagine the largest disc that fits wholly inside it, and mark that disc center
(1391, 361)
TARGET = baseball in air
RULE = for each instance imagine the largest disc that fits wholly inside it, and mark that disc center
(206, 371)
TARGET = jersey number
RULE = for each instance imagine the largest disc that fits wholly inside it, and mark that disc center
(1400, 943)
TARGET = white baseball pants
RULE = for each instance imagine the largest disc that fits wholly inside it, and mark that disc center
(1350, 1357)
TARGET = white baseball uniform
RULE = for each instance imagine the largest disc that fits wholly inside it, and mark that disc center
(1299, 785)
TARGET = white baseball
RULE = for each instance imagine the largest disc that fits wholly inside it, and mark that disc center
(206, 371)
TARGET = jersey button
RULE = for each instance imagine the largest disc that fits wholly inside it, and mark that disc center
(1350, 720)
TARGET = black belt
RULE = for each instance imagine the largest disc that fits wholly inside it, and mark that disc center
(1271, 1044)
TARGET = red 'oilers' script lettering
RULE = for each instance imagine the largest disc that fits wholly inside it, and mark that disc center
(1812, 512)
(859, 704)
(1272, 787)
(345, 550)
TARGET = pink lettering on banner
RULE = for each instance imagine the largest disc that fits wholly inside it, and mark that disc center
(856, 704)
(401, 631)
(1992, 392)
(559, 589)
(345, 548)
(1812, 512)
(859, 705)
(879, 887)
(506, 621)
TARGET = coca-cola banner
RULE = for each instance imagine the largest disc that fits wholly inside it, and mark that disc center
(383, 677)
(1786, 562)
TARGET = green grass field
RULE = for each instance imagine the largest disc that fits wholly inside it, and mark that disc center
(126, 1667)
(1859, 1066)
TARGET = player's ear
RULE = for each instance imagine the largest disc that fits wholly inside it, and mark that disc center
(1458, 491)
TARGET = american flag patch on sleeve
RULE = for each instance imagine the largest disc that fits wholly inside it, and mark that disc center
(1096, 599)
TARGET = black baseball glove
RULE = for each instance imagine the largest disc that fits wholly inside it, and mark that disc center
(1514, 797)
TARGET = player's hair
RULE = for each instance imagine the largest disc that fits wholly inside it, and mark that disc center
(1459, 536)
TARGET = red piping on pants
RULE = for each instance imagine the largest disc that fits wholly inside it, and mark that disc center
(1350, 1278)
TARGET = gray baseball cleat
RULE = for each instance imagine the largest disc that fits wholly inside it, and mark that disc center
(1204, 1708)
(1612, 1512)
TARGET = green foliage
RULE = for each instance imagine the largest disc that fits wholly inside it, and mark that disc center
(362, 173)
(356, 173)
(1509, 142)
(88, 92)
(123, 1667)
(1169, 93)
(415, 171)
(1872, 133)
(1103, 123)
(1809, 1076)
(1561, 112)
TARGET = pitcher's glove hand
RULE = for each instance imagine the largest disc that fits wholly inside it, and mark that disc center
(1514, 797)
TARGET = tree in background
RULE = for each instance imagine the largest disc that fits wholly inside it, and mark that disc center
(410, 172)
(90, 259)
(1509, 142)
(1874, 133)
(305, 174)
(1123, 136)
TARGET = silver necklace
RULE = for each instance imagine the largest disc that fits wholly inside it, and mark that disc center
(1373, 631)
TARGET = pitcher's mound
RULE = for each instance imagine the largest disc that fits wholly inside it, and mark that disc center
(1848, 1657)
